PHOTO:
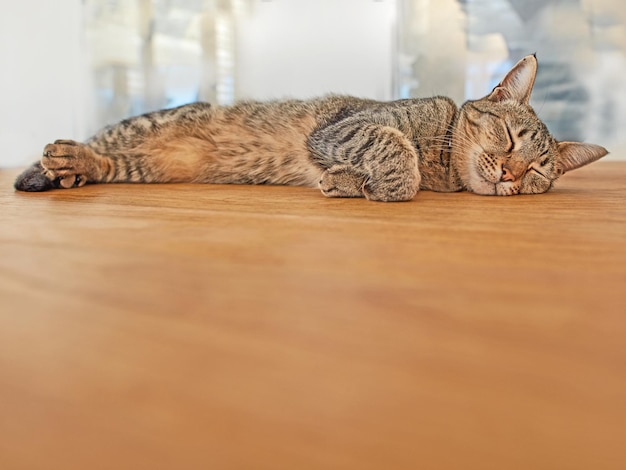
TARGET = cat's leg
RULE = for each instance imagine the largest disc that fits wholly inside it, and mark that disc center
(69, 164)
(378, 160)
(152, 148)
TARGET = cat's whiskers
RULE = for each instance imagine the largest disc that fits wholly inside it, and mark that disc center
(462, 145)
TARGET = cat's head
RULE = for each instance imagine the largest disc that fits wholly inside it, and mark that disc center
(500, 146)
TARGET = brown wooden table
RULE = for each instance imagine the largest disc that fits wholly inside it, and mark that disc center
(233, 327)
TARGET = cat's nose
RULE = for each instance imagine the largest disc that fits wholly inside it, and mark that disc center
(507, 175)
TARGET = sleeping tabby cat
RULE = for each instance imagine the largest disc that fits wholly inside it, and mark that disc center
(348, 147)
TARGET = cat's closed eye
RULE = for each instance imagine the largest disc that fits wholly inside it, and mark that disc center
(534, 170)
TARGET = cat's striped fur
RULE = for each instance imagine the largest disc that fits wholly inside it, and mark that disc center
(348, 147)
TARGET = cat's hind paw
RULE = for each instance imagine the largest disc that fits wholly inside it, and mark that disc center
(67, 162)
(63, 158)
(60, 167)
(36, 179)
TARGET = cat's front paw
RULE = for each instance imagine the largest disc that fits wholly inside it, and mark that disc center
(341, 181)
(66, 163)
(399, 189)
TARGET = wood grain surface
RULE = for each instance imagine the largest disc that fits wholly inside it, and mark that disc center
(239, 327)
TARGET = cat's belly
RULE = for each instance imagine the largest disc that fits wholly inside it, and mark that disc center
(261, 161)
(267, 149)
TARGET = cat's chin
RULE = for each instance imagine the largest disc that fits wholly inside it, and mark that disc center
(479, 185)
(485, 188)
(507, 189)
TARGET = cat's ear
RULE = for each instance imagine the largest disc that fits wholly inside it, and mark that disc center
(518, 83)
(572, 155)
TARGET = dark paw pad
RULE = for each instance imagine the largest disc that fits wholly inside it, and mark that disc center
(34, 180)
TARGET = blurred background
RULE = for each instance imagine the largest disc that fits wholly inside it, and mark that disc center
(71, 66)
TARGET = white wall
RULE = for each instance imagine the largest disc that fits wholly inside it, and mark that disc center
(40, 78)
(307, 48)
